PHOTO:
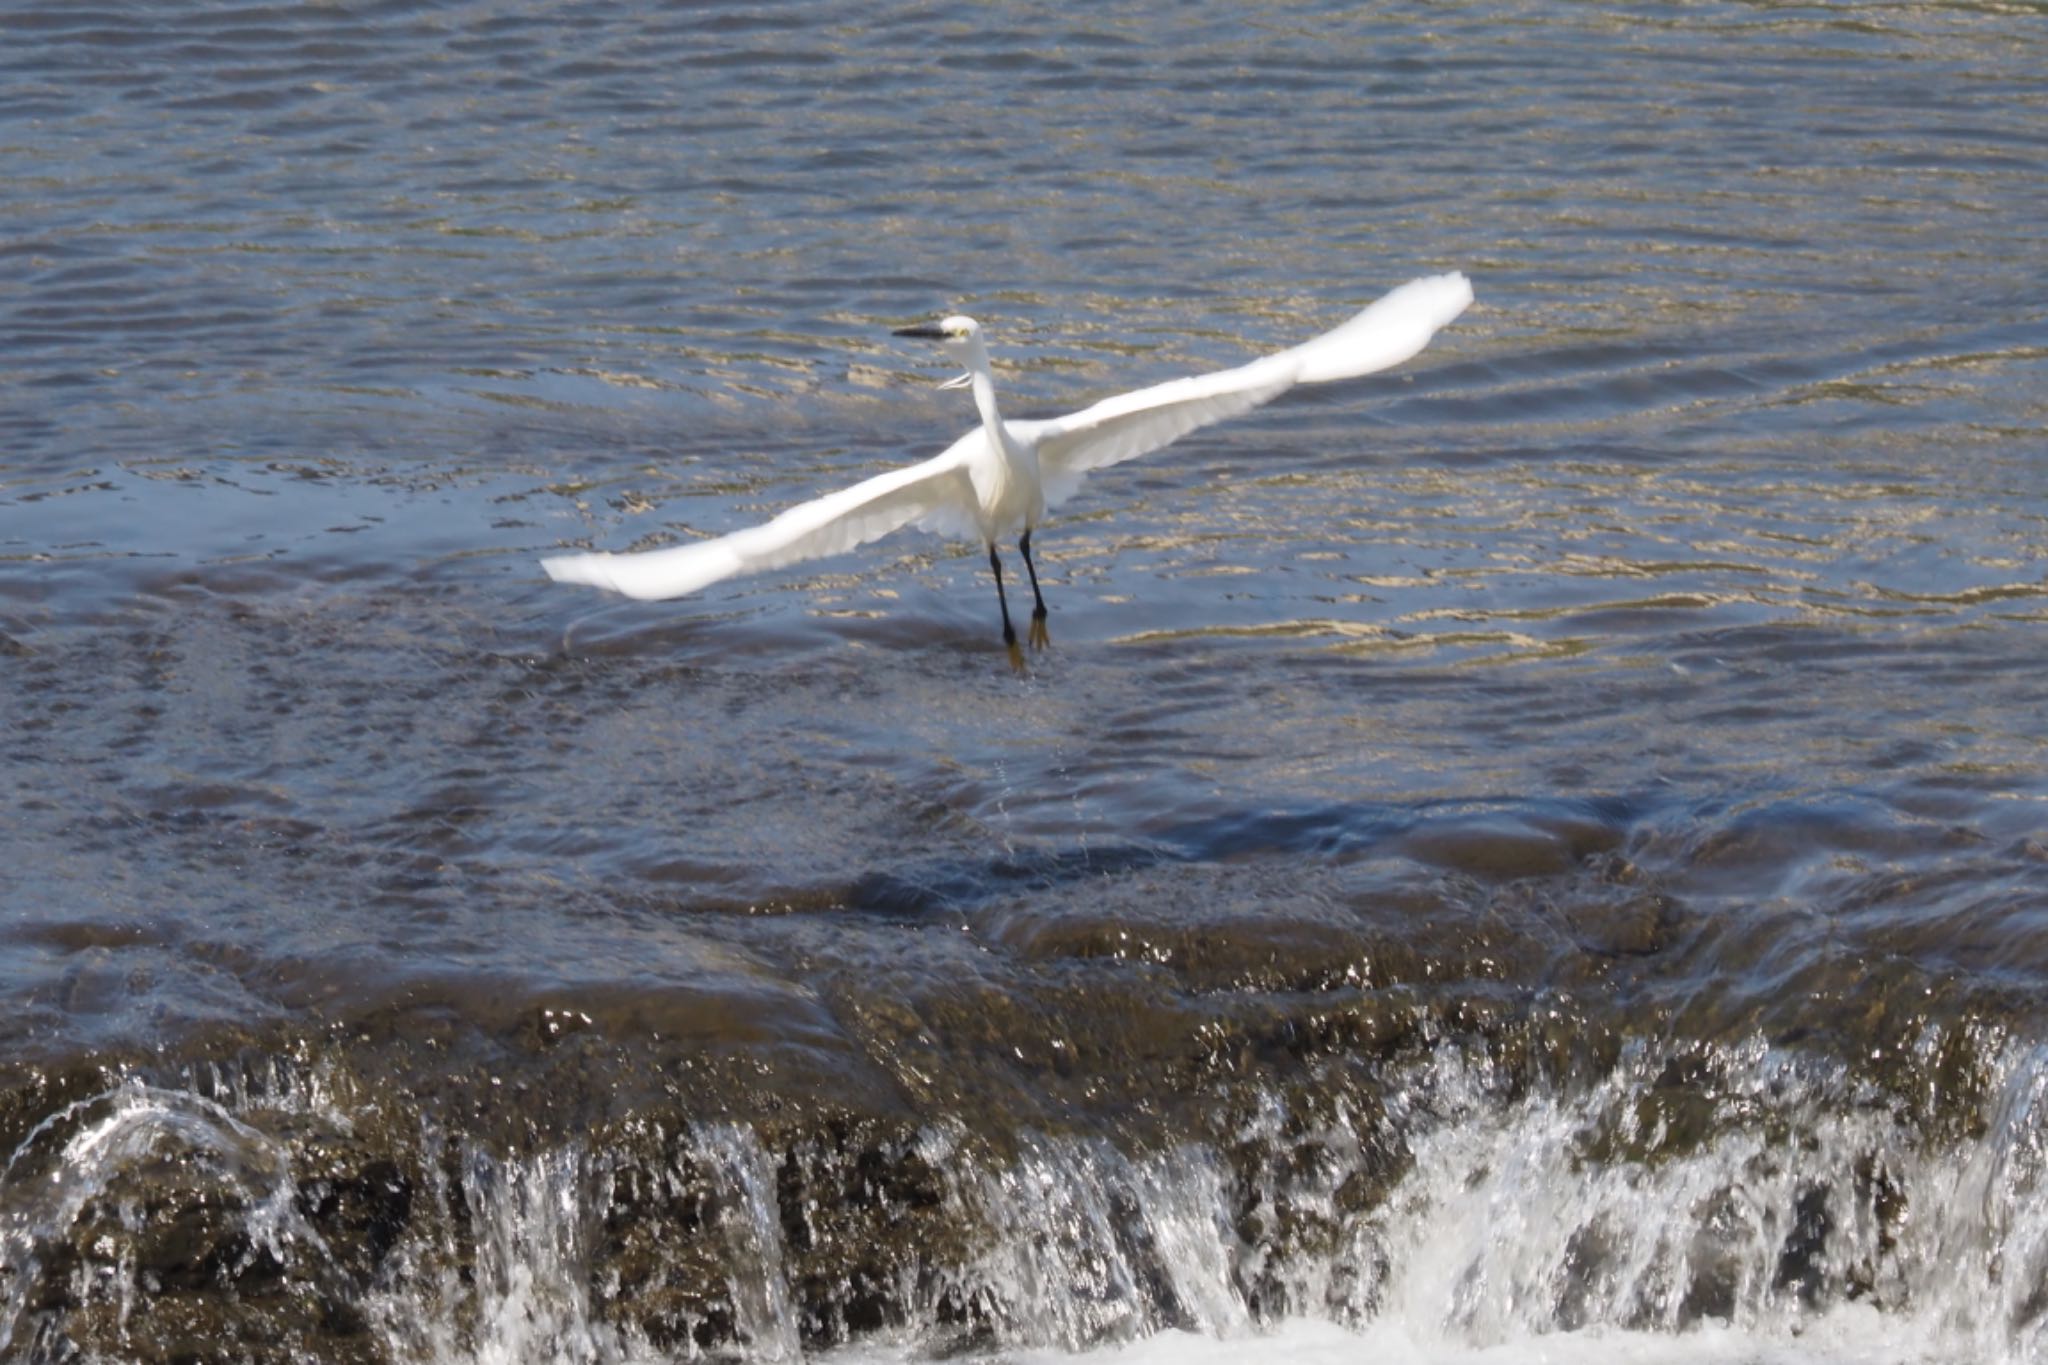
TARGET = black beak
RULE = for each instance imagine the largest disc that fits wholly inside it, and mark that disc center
(929, 331)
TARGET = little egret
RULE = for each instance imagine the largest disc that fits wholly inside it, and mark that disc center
(1003, 475)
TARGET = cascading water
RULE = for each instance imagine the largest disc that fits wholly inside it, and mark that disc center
(1766, 1207)
(113, 1201)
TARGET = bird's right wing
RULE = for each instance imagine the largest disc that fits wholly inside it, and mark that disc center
(1138, 423)
(936, 494)
(1384, 334)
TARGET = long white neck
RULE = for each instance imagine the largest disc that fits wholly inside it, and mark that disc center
(983, 382)
(1008, 486)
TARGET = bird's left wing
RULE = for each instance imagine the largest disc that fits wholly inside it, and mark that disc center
(1384, 334)
(935, 494)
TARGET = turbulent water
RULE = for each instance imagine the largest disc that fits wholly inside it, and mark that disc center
(1541, 855)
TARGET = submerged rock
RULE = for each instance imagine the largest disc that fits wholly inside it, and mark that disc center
(1062, 1148)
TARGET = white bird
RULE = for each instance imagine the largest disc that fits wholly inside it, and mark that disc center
(1004, 475)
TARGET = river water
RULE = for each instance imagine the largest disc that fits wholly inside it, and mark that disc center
(1541, 855)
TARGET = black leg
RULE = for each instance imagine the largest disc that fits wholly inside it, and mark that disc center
(995, 565)
(1039, 638)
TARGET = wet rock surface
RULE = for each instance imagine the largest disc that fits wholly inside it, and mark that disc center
(301, 1203)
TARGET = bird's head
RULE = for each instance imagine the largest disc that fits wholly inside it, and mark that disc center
(961, 336)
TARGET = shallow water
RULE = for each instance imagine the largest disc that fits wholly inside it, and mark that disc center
(1541, 854)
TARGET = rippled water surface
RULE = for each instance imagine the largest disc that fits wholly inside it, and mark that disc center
(1540, 854)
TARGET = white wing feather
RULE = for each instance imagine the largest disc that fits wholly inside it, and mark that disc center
(935, 494)
(939, 494)
(1386, 333)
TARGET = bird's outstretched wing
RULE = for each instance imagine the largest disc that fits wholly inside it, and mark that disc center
(935, 494)
(1386, 333)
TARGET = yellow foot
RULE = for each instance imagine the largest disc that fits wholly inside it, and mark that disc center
(1039, 639)
(1016, 656)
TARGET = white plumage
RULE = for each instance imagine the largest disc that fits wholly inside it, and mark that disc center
(1003, 475)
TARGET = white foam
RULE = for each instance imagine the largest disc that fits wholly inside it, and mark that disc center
(1851, 1336)
(1557, 1227)
(1858, 1335)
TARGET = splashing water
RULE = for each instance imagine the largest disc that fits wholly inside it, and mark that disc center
(103, 1165)
(1769, 1210)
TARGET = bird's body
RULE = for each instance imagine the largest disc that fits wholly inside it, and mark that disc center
(1002, 464)
(1002, 476)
